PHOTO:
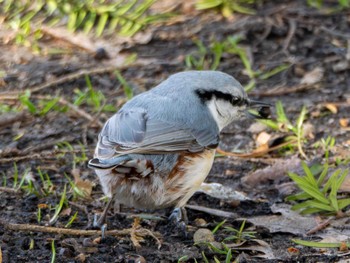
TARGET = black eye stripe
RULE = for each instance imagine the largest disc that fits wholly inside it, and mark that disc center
(207, 95)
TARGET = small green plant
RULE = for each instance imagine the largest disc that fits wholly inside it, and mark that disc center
(129, 93)
(318, 194)
(67, 148)
(283, 124)
(47, 185)
(321, 244)
(239, 235)
(93, 98)
(205, 58)
(53, 251)
(342, 4)
(210, 57)
(227, 7)
(71, 220)
(58, 208)
(122, 17)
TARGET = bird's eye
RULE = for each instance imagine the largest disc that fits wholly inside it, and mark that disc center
(235, 100)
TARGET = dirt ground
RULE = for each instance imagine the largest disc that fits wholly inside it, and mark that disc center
(315, 45)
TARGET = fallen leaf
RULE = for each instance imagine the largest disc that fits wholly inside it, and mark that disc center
(293, 251)
(309, 130)
(343, 247)
(331, 107)
(263, 138)
(257, 127)
(43, 206)
(313, 76)
(80, 258)
(66, 212)
(255, 245)
(84, 186)
(271, 173)
(222, 192)
(287, 221)
(344, 122)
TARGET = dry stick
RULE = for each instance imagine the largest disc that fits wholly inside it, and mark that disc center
(64, 79)
(10, 190)
(256, 153)
(67, 78)
(43, 155)
(80, 112)
(291, 32)
(285, 91)
(61, 231)
(211, 211)
(321, 226)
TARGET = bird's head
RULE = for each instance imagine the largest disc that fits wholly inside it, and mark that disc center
(227, 100)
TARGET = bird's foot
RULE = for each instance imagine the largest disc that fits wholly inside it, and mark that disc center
(179, 219)
(100, 222)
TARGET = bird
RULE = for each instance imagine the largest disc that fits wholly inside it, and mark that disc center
(157, 150)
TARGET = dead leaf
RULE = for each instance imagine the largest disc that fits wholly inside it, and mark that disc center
(343, 247)
(43, 206)
(287, 222)
(0, 255)
(331, 107)
(293, 251)
(222, 192)
(344, 122)
(313, 76)
(81, 257)
(263, 138)
(271, 173)
(256, 245)
(85, 186)
(66, 212)
(309, 130)
(257, 127)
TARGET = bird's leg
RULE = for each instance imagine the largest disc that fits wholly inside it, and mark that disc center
(101, 221)
(178, 215)
(179, 218)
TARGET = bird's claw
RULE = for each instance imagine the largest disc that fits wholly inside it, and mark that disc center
(179, 219)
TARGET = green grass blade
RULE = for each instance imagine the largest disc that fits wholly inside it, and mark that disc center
(318, 244)
(217, 227)
(308, 188)
(59, 206)
(101, 25)
(53, 250)
(342, 203)
(309, 176)
(330, 181)
(300, 132)
(322, 175)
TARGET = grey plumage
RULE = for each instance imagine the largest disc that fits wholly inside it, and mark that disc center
(143, 126)
(159, 147)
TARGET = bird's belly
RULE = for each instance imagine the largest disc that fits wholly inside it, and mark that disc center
(159, 190)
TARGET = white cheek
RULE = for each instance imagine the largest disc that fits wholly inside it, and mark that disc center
(227, 113)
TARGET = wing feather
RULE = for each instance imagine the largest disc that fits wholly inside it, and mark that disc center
(133, 132)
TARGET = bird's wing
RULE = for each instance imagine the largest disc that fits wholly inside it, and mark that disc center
(134, 132)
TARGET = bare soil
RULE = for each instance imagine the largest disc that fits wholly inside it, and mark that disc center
(287, 32)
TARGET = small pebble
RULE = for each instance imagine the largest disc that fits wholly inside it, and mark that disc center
(203, 235)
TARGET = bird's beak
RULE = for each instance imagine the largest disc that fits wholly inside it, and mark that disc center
(259, 109)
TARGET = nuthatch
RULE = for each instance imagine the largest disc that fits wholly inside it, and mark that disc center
(156, 151)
